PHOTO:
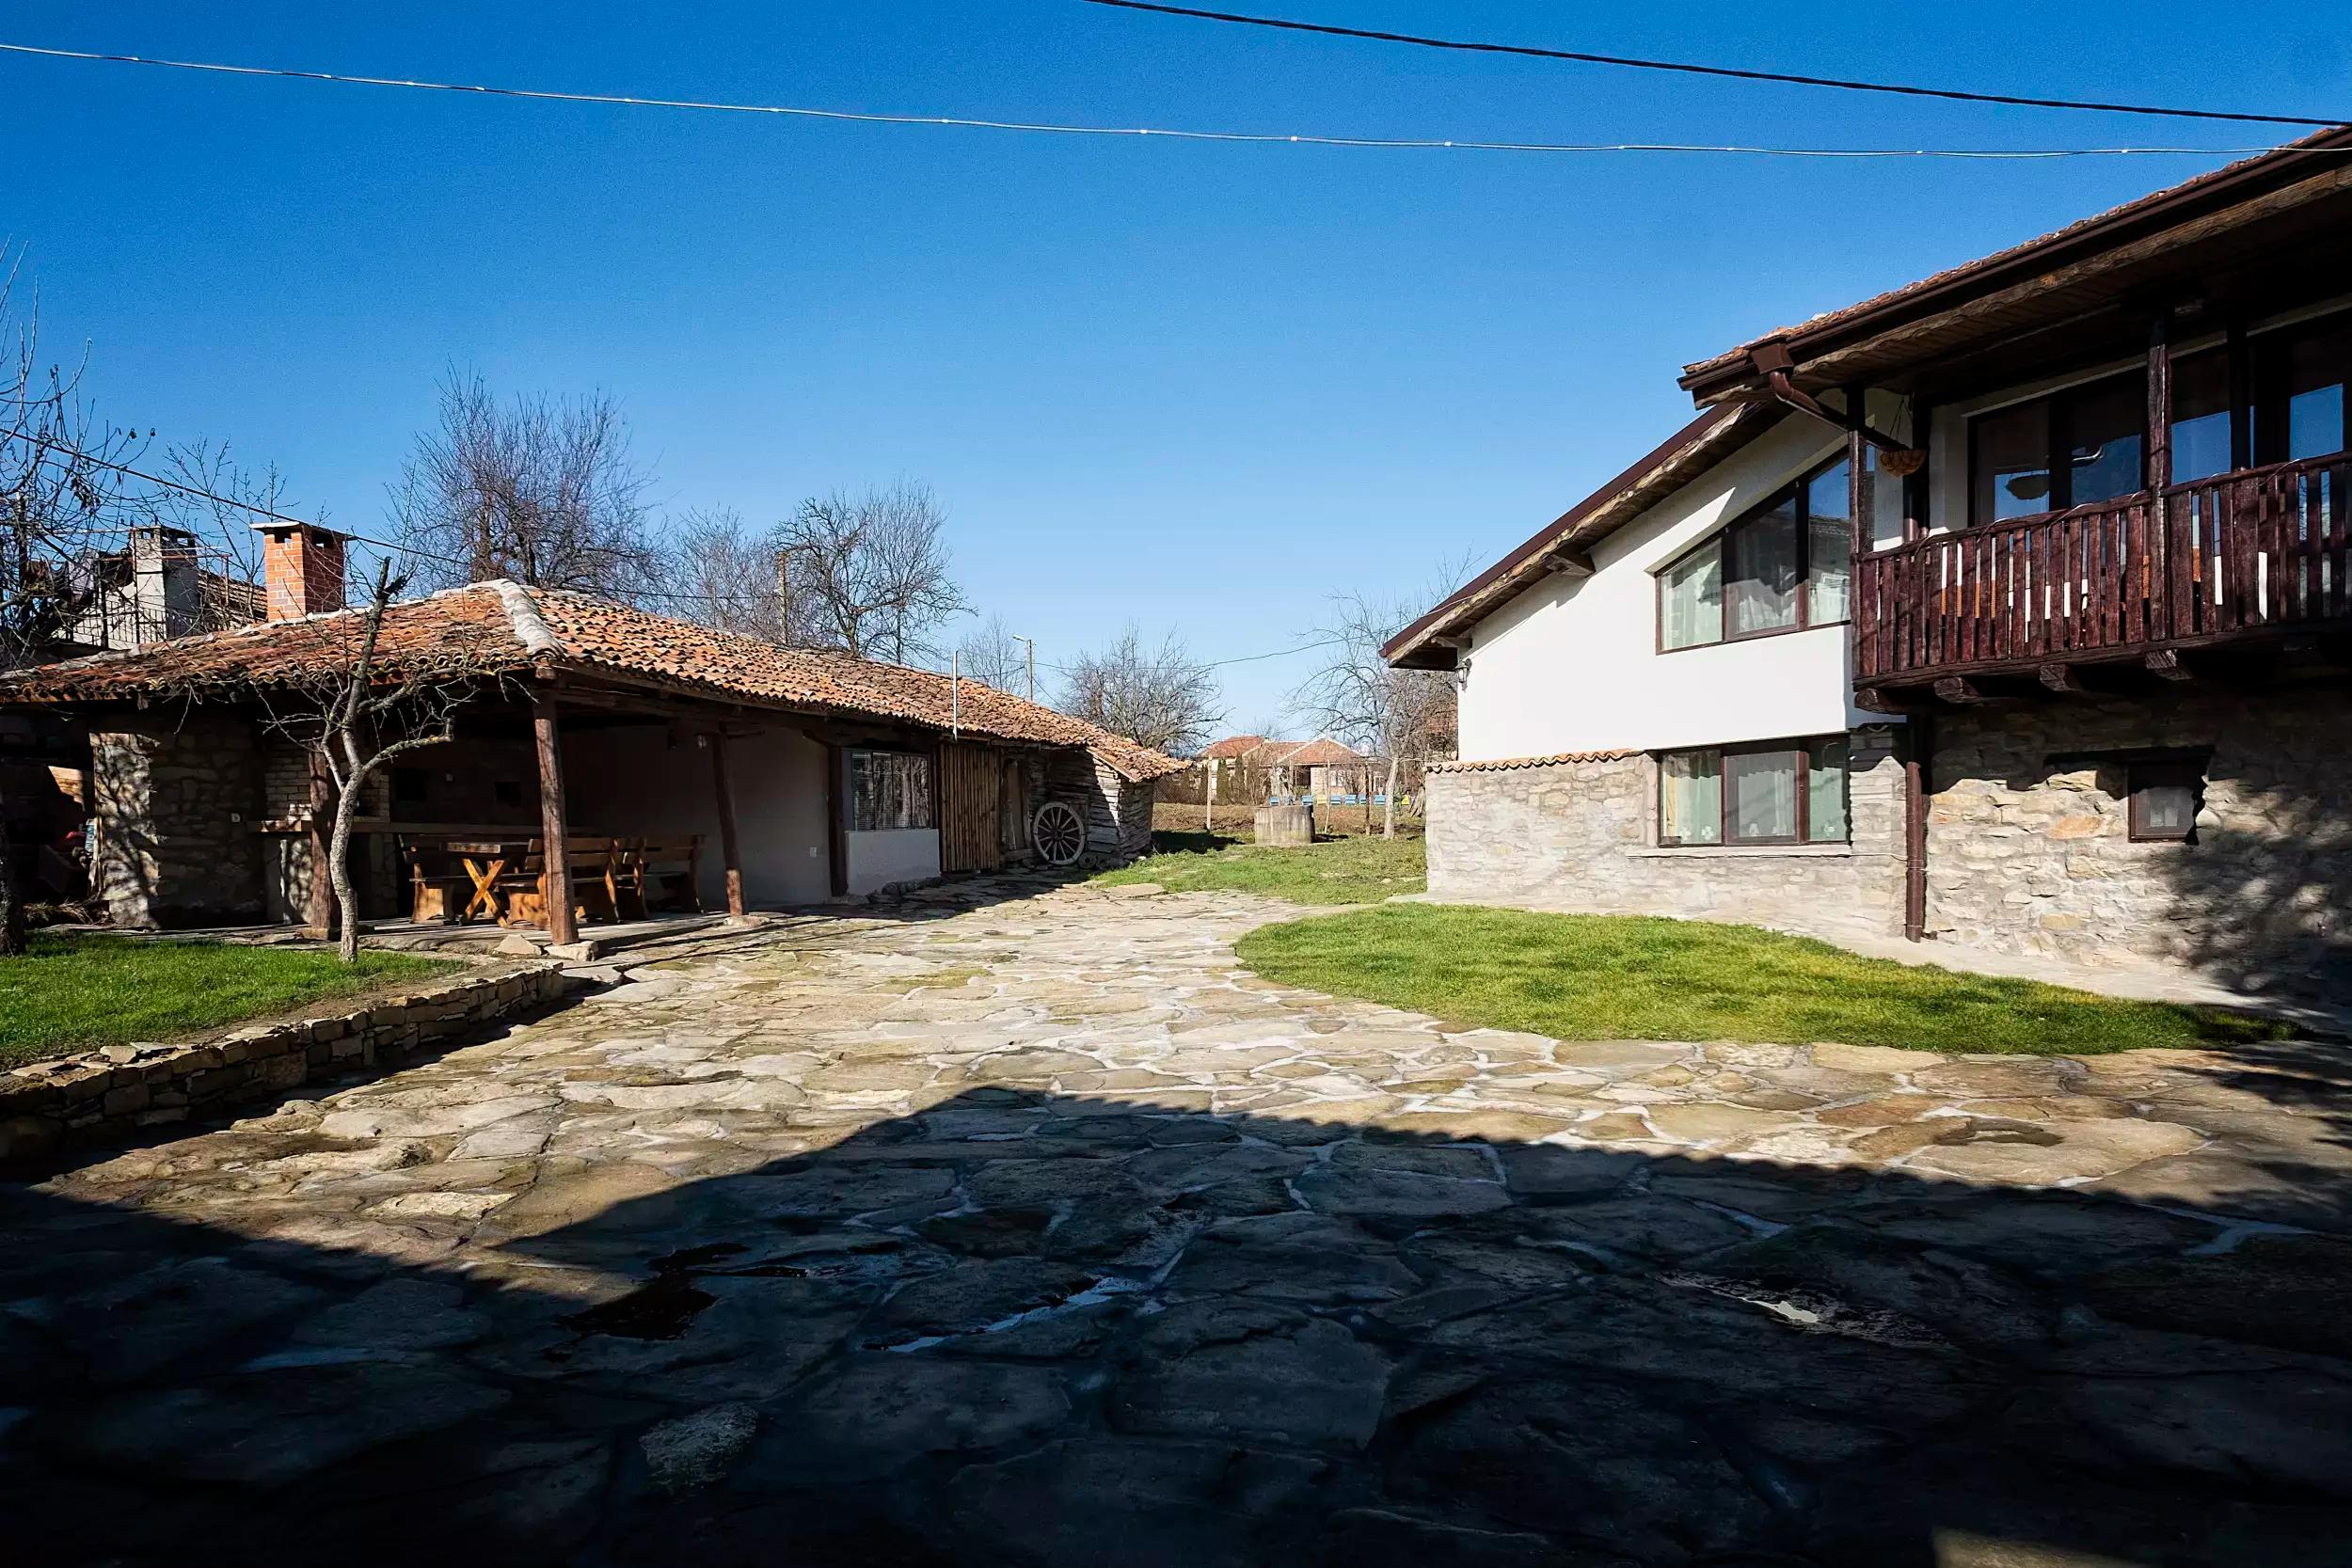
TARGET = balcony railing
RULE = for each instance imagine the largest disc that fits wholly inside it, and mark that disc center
(2208, 561)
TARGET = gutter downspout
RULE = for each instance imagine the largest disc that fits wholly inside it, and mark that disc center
(1772, 362)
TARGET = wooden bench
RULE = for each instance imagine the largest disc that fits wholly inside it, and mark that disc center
(665, 873)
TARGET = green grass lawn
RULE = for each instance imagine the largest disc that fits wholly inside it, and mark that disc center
(1631, 977)
(78, 992)
(1355, 870)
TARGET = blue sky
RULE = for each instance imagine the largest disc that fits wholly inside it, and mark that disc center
(1192, 385)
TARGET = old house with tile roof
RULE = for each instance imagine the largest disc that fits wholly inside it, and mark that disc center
(794, 774)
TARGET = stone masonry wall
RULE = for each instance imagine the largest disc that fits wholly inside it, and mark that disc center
(1578, 835)
(177, 798)
(126, 1088)
(2030, 851)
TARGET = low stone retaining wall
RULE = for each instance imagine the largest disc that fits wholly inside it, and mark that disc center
(120, 1089)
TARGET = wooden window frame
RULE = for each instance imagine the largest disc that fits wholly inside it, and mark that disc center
(1794, 493)
(2057, 437)
(2157, 774)
(929, 759)
(1801, 749)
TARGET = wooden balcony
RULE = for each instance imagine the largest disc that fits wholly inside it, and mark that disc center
(2237, 560)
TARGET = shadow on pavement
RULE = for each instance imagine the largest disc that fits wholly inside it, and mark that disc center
(1026, 1328)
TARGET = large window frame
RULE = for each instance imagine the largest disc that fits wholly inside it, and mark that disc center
(891, 791)
(2059, 408)
(2254, 372)
(1791, 500)
(1808, 754)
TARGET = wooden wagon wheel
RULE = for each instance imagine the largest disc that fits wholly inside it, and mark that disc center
(1060, 832)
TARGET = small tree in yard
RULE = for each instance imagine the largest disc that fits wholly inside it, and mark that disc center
(1167, 699)
(360, 708)
(1358, 697)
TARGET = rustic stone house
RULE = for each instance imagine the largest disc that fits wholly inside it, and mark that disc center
(810, 774)
(2006, 609)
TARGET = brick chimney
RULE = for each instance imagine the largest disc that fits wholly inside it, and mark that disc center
(302, 569)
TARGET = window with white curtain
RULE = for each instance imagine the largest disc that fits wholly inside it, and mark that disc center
(1769, 792)
(1784, 565)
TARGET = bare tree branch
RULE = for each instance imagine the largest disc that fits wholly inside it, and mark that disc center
(1404, 717)
(869, 573)
(1167, 699)
(991, 653)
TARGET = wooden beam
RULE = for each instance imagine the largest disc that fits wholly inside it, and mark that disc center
(1873, 698)
(1959, 688)
(836, 818)
(2062, 678)
(729, 853)
(553, 827)
(2165, 663)
(1569, 563)
(1918, 798)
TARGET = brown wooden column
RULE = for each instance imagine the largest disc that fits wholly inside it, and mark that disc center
(318, 910)
(727, 846)
(837, 817)
(553, 828)
(2156, 587)
(1919, 796)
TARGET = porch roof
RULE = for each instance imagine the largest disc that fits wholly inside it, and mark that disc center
(506, 628)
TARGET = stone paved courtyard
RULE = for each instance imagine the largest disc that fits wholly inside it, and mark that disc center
(1024, 1228)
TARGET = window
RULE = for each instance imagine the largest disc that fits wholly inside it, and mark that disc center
(889, 790)
(2087, 443)
(2164, 796)
(1780, 568)
(1778, 792)
(2295, 403)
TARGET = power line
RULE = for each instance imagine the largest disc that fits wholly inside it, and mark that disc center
(1246, 137)
(1736, 73)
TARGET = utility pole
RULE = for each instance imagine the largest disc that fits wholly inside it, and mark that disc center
(783, 595)
(1030, 644)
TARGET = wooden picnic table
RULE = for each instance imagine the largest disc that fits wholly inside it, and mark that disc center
(504, 882)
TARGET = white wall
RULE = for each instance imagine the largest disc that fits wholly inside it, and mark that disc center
(892, 855)
(634, 783)
(1572, 665)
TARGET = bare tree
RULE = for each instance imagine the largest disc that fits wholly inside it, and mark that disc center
(724, 575)
(1401, 716)
(357, 710)
(540, 490)
(215, 498)
(1165, 699)
(60, 498)
(868, 573)
(991, 653)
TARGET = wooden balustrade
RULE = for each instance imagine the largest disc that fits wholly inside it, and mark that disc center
(2259, 550)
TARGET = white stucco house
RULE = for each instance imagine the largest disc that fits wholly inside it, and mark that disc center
(2007, 608)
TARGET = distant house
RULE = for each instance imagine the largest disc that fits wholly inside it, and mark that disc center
(806, 774)
(1320, 769)
(2006, 609)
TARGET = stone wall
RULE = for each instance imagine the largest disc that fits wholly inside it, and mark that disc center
(1579, 835)
(123, 1089)
(178, 798)
(2028, 839)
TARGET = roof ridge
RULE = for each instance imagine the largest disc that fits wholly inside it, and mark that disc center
(531, 627)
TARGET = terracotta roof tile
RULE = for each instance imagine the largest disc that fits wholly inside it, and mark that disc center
(1323, 751)
(1233, 746)
(501, 628)
(1505, 765)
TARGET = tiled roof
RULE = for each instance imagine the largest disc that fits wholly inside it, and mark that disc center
(1323, 752)
(1502, 765)
(501, 627)
(1233, 746)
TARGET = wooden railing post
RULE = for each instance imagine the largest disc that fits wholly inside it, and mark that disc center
(2154, 576)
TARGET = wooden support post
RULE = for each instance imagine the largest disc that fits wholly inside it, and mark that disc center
(837, 817)
(2154, 590)
(2061, 678)
(554, 831)
(729, 854)
(2165, 663)
(318, 908)
(1918, 791)
(1959, 688)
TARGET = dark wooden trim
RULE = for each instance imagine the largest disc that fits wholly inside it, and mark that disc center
(2135, 820)
(730, 852)
(2165, 663)
(1801, 748)
(2241, 394)
(1956, 688)
(1918, 492)
(1918, 787)
(553, 831)
(837, 816)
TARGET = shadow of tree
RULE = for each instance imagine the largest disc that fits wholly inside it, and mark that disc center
(1023, 1327)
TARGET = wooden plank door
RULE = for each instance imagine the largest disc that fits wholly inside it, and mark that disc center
(968, 811)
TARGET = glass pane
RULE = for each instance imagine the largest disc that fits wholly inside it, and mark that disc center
(1883, 493)
(2318, 363)
(2009, 462)
(1825, 791)
(2167, 811)
(1763, 795)
(1694, 599)
(2201, 416)
(1690, 798)
(1829, 515)
(2107, 422)
(1760, 571)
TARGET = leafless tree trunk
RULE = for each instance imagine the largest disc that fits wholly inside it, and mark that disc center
(543, 491)
(1167, 699)
(725, 576)
(869, 573)
(993, 654)
(1356, 697)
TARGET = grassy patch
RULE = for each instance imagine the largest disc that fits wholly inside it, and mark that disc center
(1628, 977)
(1342, 871)
(78, 992)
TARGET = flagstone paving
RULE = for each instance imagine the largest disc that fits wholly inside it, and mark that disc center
(1019, 1224)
